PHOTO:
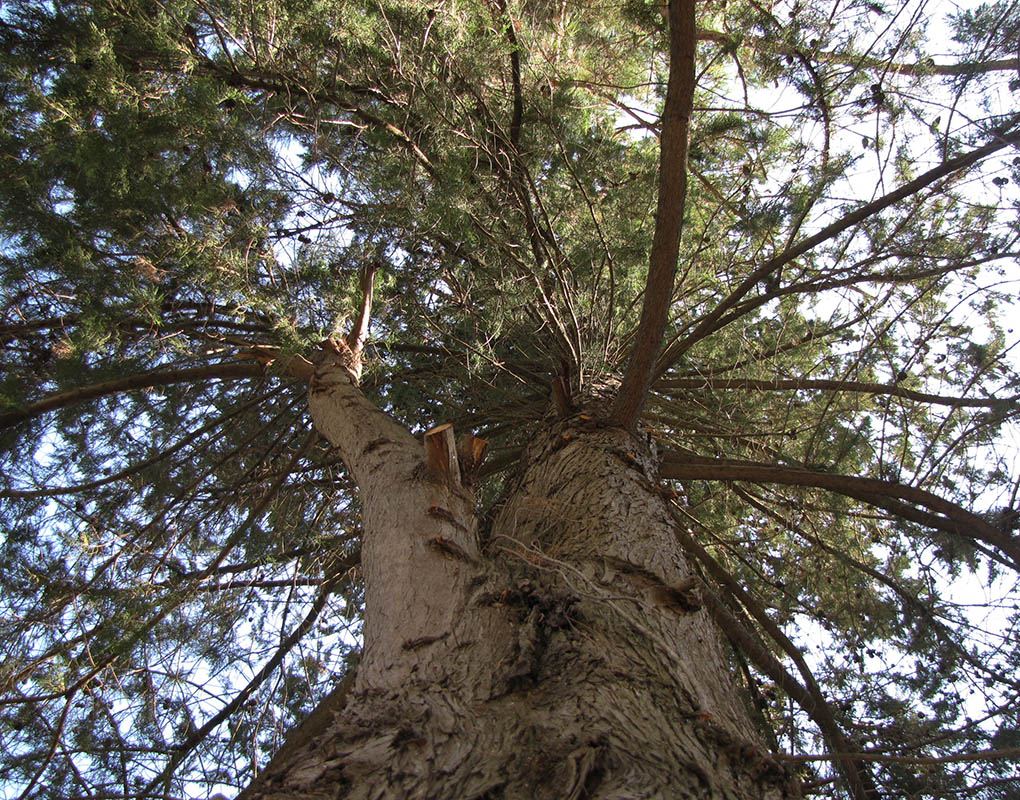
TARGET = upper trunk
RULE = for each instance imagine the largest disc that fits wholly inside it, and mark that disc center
(556, 654)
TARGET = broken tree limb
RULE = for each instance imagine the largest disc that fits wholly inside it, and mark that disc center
(441, 454)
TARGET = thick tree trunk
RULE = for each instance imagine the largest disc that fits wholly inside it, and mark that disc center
(550, 651)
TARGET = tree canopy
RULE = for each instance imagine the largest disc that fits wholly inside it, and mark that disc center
(197, 198)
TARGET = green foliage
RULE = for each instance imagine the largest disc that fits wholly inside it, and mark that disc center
(185, 182)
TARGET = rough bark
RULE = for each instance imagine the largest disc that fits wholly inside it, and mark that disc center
(552, 650)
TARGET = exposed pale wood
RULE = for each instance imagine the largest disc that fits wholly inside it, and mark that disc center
(359, 330)
(471, 452)
(561, 396)
(441, 454)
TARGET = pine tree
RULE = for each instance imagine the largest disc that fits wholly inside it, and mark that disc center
(564, 400)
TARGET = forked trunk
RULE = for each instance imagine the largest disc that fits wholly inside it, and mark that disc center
(552, 651)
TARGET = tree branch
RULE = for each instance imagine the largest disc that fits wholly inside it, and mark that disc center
(141, 465)
(183, 749)
(358, 334)
(809, 696)
(232, 370)
(669, 215)
(99, 662)
(515, 78)
(708, 324)
(283, 85)
(860, 61)
(906, 598)
(888, 758)
(799, 384)
(859, 781)
(960, 521)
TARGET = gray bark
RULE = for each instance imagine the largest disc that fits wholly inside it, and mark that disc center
(552, 651)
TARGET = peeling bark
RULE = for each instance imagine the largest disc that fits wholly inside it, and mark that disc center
(554, 651)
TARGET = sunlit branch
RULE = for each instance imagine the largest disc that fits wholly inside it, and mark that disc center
(855, 387)
(823, 284)
(713, 321)
(280, 85)
(854, 278)
(928, 67)
(179, 578)
(275, 423)
(127, 322)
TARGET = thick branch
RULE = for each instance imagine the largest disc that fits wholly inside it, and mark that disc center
(358, 334)
(1011, 753)
(963, 522)
(515, 78)
(174, 598)
(809, 697)
(711, 321)
(306, 730)
(284, 85)
(858, 780)
(669, 215)
(903, 510)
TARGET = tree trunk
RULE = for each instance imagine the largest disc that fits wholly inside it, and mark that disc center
(551, 650)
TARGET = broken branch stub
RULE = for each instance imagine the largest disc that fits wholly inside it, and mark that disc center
(441, 454)
(454, 460)
(471, 452)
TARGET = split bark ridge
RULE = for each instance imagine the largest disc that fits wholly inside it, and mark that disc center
(553, 650)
